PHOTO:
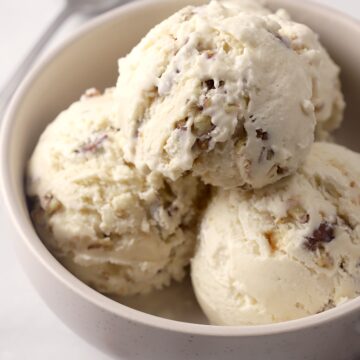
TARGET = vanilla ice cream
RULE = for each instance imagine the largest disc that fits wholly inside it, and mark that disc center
(286, 251)
(120, 231)
(228, 91)
(326, 93)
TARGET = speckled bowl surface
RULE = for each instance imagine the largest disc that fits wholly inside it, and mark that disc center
(89, 58)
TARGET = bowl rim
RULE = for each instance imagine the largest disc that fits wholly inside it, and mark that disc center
(30, 239)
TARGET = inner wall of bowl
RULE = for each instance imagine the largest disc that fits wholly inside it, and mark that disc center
(91, 60)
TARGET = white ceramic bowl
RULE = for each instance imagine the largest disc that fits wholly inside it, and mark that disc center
(89, 59)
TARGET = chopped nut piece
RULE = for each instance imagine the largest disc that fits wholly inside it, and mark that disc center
(92, 146)
(298, 47)
(281, 171)
(247, 165)
(181, 124)
(325, 261)
(270, 154)
(153, 93)
(343, 265)
(252, 118)
(240, 132)
(270, 237)
(345, 221)
(172, 210)
(247, 101)
(210, 84)
(210, 54)
(202, 144)
(203, 126)
(263, 149)
(329, 305)
(304, 219)
(167, 194)
(330, 189)
(100, 246)
(295, 213)
(324, 234)
(231, 108)
(203, 47)
(207, 103)
(226, 47)
(261, 134)
(202, 129)
(114, 129)
(299, 214)
(246, 187)
(51, 204)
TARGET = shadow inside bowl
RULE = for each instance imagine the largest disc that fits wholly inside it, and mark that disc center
(176, 302)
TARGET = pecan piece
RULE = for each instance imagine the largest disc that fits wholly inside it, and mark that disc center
(181, 124)
(270, 237)
(207, 103)
(172, 210)
(263, 149)
(210, 84)
(51, 204)
(281, 171)
(226, 47)
(202, 144)
(252, 118)
(210, 54)
(261, 134)
(304, 219)
(324, 234)
(329, 305)
(270, 154)
(92, 146)
(203, 126)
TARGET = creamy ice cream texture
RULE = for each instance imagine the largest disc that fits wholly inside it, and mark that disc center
(286, 251)
(327, 97)
(120, 231)
(232, 95)
(228, 91)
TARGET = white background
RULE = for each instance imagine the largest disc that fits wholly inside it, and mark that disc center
(28, 330)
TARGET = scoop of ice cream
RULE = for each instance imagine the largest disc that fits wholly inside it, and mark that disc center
(218, 91)
(326, 93)
(286, 251)
(120, 231)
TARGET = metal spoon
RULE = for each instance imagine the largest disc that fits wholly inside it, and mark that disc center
(83, 7)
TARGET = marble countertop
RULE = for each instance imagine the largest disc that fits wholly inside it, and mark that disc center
(28, 329)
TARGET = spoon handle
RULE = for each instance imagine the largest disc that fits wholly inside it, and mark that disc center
(10, 87)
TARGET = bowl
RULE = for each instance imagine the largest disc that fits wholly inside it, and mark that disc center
(87, 59)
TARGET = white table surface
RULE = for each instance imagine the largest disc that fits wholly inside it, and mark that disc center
(28, 329)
